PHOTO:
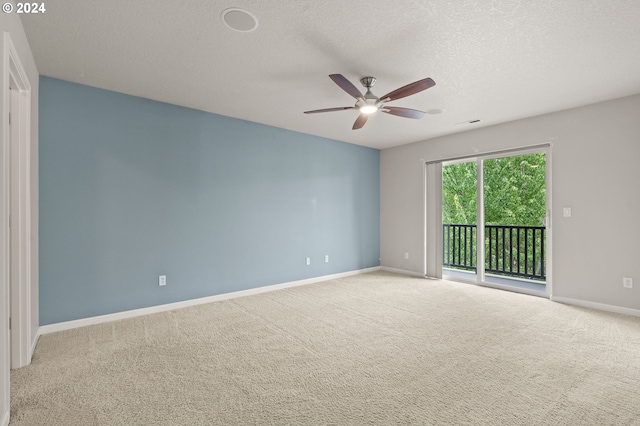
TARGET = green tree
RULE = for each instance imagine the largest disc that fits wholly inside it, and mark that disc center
(459, 188)
(514, 191)
(514, 194)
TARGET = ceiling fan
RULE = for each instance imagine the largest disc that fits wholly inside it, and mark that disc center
(369, 103)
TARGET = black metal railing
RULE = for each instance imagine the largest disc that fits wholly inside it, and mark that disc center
(459, 247)
(509, 250)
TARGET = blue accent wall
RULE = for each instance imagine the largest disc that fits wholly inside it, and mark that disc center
(131, 189)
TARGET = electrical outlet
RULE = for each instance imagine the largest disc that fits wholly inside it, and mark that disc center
(406, 254)
(627, 282)
(566, 212)
(326, 258)
(308, 261)
(162, 280)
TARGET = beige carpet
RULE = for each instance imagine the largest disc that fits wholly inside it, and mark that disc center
(374, 349)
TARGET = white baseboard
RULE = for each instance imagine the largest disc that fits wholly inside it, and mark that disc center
(5, 419)
(595, 305)
(68, 325)
(33, 344)
(402, 271)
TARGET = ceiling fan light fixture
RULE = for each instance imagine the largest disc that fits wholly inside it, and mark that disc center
(370, 105)
(368, 109)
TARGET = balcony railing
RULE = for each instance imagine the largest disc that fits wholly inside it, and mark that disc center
(516, 251)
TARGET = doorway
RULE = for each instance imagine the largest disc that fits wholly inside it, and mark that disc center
(495, 220)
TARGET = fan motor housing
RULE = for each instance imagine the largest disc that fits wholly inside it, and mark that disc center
(368, 82)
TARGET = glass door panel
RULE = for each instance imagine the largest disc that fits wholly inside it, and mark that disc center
(514, 193)
(459, 224)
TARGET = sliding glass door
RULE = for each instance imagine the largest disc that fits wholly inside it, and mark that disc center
(494, 221)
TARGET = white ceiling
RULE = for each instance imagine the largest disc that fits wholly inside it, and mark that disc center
(497, 60)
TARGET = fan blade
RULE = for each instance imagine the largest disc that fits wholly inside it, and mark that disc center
(403, 112)
(328, 110)
(409, 89)
(362, 118)
(346, 85)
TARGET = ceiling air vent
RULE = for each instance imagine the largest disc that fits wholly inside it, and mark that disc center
(470, 122)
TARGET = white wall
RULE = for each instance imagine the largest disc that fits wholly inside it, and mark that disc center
(595, 171)
(11, 23)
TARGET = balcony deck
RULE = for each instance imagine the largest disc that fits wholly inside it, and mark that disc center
(535, 287)
(514, 255)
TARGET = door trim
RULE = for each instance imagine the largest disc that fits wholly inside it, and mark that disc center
(19, 252)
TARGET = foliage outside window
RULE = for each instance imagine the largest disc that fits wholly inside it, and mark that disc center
(514, 195)
(514, 191)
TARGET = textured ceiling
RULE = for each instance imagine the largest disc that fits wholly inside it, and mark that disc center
(495, 60)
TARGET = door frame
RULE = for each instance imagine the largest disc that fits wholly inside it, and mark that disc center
(433, 213)
(15, 211)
